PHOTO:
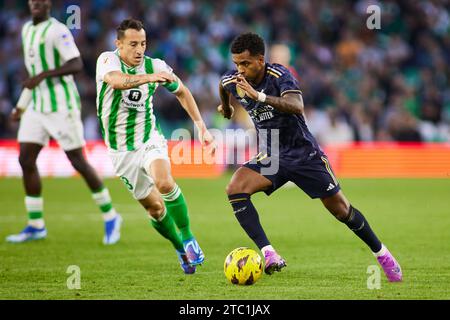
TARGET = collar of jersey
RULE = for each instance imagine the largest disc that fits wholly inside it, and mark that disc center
(129, 68)
(41, 23)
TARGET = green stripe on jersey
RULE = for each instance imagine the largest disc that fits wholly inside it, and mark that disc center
(63, 82)
(33, 67)
(45, 68)
(33, 73)
(113, 119)
(151, 90)
(131, 121)
(100, 107)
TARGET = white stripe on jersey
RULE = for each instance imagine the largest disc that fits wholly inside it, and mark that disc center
(47, 46)
(278, 72)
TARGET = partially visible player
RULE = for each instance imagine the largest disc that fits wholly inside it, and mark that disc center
(281, 54)
(126, 82)
(51, 58)
(273, 99)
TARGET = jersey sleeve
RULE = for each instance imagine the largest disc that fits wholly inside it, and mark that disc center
(288, 84)
(65, 43)
(160, 66)
(227, 79)
(106, 63)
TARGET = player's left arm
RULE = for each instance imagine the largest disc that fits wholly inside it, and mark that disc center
(290, 102)
(64, 44)
(187, 101)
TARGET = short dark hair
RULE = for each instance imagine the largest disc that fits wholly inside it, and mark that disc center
(248, 41)
(126, 24)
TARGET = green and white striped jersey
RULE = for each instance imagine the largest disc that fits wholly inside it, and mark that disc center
(126, 116)
(46, 46)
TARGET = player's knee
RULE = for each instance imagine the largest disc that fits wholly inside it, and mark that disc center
(165, 185)
(155, 210)
(339, 210)
(26, 163)
(233, 188)
(79, 163)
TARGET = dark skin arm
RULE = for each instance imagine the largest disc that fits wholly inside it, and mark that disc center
(226, 109)
(70, 67)
(289, 103)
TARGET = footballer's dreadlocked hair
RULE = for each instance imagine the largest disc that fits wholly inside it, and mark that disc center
(248, 41)
(126, 24)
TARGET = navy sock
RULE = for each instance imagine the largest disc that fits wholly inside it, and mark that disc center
(248, 218)
(359, 225)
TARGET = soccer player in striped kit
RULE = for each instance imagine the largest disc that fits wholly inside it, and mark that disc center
(53, 109)
(126, 82)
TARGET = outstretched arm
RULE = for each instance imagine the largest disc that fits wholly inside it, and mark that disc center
(121, 81)
(187, 101)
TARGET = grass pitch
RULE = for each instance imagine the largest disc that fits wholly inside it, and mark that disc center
(325, 259)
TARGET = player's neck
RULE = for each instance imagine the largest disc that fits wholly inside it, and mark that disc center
(127, 63)
(37, 20)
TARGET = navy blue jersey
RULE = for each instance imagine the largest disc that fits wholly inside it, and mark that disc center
(296, 143)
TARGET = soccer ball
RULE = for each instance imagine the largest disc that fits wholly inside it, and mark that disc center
(243, 266)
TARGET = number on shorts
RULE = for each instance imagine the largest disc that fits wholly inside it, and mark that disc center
(127, 183)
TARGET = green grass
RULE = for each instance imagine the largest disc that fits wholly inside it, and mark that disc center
(325, 259)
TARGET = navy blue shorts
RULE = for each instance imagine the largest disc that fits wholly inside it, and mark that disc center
(314, 176)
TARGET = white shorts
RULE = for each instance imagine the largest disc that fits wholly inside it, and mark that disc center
(65, 127)
(133, 167)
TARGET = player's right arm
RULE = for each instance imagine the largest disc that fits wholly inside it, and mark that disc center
(225, 108)
(122, 81)
(109, 70)
(22, 104)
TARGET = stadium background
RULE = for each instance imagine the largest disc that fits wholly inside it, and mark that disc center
(364, 91)
(359, 85)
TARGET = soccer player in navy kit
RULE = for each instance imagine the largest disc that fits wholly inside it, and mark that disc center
(272, 97)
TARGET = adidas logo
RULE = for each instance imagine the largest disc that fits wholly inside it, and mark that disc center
(330, 186)
(240, 209)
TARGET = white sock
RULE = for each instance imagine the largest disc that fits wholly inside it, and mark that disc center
(103, 200)
(37, 223)
(267, 248)
(112, 214)
(172, 195)
(35, 206)
(382, 251)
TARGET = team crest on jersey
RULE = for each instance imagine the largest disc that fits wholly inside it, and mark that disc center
(240, 92)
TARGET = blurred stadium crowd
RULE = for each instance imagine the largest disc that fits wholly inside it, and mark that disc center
(391, 84)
